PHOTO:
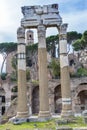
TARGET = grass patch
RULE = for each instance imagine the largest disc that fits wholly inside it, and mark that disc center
(77, 122)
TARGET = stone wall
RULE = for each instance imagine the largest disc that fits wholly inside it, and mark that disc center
(78, 88)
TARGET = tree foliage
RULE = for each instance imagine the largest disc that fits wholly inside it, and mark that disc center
(51, 41)
(81, 43)
(31, 48)
(72, 36)
(8, 47)
(55, 66)
(14, 62)
(3, 76)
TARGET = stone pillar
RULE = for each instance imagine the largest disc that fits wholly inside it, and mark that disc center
(65, 77)
(43, 76)
(22, 108)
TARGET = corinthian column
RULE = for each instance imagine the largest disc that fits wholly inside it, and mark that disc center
(43, 76)
(22, 108)
(65, 77)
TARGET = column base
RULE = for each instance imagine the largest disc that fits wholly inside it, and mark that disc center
(22, 114)
(44, 115)
(67, 113)
(15, 120)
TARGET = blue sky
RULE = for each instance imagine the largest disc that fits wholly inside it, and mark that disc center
(73, 12)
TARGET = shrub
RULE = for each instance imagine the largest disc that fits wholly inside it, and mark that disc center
(3, 76)
(55, 66)
(82, 72)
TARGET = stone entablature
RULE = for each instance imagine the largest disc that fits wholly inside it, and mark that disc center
(47, 15)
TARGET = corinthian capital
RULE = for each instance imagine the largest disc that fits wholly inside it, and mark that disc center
(20, 32)
(41, 31)
(63, 31)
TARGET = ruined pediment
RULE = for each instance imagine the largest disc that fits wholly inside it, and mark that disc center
(35, 15)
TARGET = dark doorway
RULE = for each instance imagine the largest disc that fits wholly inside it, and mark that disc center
(57, 99)
(35, 100)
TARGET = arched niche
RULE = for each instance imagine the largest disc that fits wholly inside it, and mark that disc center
(35, 100)
(82, 99)
(2, 96)
(57, 99)
(14, 92)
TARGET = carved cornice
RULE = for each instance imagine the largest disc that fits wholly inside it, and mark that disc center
(35, 15)
(20, 32)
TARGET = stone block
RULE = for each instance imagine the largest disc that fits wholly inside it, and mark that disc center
(64, 128)
(84, 114)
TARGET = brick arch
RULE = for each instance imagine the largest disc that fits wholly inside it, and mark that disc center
(13, 85)
(79, 88)
(77, 81)
(57, 99)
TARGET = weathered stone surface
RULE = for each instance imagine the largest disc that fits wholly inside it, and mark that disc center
(64, 128)
(35, 15)
(43, 76)
(65, 77)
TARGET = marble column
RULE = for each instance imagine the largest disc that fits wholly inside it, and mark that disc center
(22, 108)
(65, 77)
(43, 74)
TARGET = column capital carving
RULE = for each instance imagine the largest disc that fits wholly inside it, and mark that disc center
(41, 31)
(63, 31)
(21, 33)
(63, 28)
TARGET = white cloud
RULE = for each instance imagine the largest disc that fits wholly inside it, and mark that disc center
(77, 21)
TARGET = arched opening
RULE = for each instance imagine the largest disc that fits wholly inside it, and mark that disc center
(71, 62)
(57, 99)
(14, 92)
(14, 89)
(30, 36)
(2, 96)
(35, 100)
(29, 62)
(3, 99)
(3, 110)
(82, 98)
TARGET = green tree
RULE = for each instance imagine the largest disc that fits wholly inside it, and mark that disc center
(81, 44)
(72, 36)
(51, 42)
(55, 66)
(84, 36)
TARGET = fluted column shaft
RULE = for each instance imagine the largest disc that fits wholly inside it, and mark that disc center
(43, 76)
(22, 108)
(65, 77)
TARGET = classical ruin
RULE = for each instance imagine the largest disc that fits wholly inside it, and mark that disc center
(42, 18)
(49, 96)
